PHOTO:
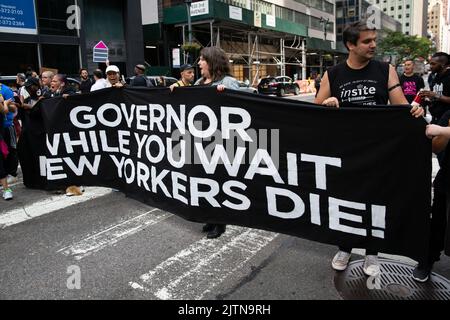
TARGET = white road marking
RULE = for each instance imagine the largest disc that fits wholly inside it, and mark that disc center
(49, 205)
(113, 234)
(196, 270)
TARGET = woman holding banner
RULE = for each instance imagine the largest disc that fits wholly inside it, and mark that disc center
(215, 71)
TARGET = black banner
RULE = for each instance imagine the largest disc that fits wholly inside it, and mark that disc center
(358, 177)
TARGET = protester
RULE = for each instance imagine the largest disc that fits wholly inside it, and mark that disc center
(113, 77)
(46, 81)
(86, 82)
(100, 82)
(7, 142)
(215, 71)
(31, 87)
(411, 83)
(11, 162)
(382, 84)
(20, 81)
(139, 79)
(440, 133)
(60, 86)
(187, 76)
(439, 93)
(317, 81)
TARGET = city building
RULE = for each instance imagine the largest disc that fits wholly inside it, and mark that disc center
(61, 34)
(271, 37)
(412, 14)
(438, 24)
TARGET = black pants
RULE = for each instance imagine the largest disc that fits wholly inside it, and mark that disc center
(438, 225)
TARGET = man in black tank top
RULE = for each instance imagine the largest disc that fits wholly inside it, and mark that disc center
(365, 82)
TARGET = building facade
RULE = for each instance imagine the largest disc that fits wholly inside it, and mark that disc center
(412, 14)
(270, 37)
(349, 11)
(60, 34)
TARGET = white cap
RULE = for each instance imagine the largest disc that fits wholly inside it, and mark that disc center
(112, 68)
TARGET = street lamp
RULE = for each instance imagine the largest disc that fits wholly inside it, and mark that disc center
(188, 7)
(325, 23)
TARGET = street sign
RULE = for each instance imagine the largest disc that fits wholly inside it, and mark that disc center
(100, 52)
(18, 16)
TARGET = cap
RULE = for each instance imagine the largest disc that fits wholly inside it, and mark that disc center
(186, 67)
(112, 68)
(32, 81)
(140, 67)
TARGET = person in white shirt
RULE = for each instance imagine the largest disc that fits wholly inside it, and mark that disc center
(100, 82)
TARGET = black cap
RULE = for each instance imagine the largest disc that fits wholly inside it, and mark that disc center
(32, 81)
(186, 67)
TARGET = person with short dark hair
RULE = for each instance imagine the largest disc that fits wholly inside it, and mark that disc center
(187, 76)
(8, 141)
(411, 83)
(439, 93)
(86, 82)
(100, 82)
(139, 79)
(363, 81)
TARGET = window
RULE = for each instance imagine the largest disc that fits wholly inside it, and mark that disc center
(55, 56)
(329, 7)
(19, 57)
(52, 17)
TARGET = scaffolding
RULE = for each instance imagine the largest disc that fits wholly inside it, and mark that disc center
(258, 52)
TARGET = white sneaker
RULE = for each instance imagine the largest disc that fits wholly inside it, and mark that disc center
(340, 260)
(371, 265)
(7, 194)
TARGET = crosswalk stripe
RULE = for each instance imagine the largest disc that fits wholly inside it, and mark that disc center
(196, 270)
(49, 205)
(113, 234)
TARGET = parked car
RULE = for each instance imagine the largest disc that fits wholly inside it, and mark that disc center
(278, 85)
(157, 81)
(247, 88)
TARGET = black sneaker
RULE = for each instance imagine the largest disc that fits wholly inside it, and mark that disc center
(421, 272)
(208, 227)
(217, 231)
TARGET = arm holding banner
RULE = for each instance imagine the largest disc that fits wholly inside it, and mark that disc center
(440, 136)
(324, 95)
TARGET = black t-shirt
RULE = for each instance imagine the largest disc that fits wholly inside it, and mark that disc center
(411, 86)
(367, 86)
(441, 85)
(140, 81)
(85, 85)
